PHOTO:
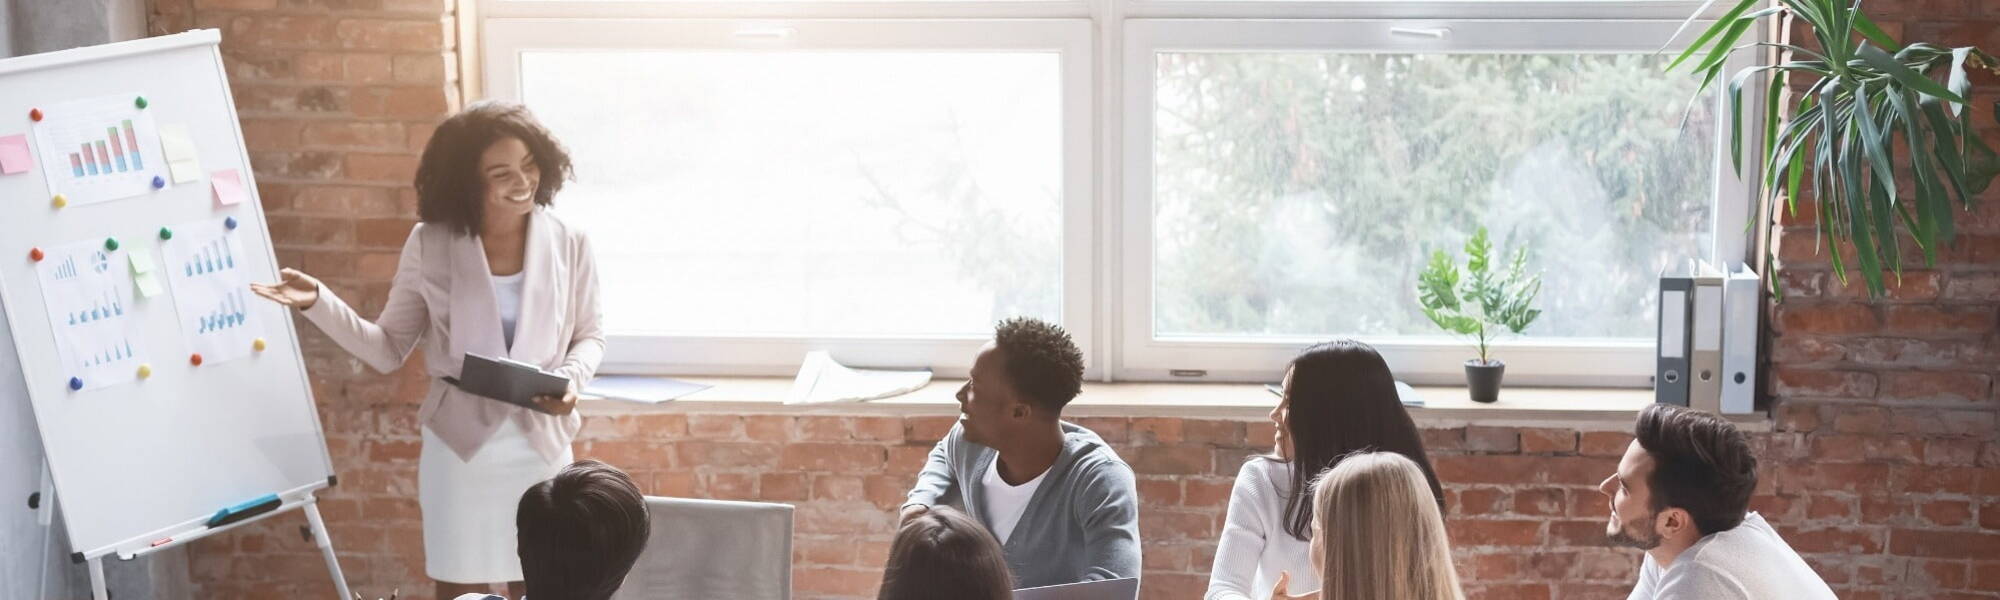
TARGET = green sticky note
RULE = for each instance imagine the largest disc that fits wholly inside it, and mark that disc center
(142, 262)
(149, 284)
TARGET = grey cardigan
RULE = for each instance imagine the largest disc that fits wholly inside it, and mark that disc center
(1082, 524)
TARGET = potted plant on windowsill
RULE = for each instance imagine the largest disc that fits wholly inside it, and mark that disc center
(1480, 305)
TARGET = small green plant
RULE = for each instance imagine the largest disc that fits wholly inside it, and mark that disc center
(1485, 298)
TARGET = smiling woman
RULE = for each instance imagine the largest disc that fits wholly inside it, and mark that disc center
(489, 272)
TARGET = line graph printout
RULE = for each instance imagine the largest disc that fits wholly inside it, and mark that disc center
(211, 289)
(87, 292)
(99, 149)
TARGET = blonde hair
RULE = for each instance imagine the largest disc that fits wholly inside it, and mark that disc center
(1381, 533)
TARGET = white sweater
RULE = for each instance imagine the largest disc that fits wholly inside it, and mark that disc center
(1254, 545)
(1746, 563)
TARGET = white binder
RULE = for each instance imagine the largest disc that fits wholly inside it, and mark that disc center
(1742, 300)
(1705, 341)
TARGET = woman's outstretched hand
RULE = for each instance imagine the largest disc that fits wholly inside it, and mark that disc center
(294, 289)
(1284, 583)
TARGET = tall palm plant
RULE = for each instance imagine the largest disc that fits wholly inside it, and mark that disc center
(1863, 90)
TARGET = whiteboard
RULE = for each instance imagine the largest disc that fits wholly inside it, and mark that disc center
(136, 462)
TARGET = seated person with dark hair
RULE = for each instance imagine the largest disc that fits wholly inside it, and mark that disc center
(1057, 497)
(579, 533)
(942, 553)
(1682, 494)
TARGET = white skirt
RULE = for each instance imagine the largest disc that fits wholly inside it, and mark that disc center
(468, 507)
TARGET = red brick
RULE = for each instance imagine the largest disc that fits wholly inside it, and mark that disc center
(782, 487)
(1946, 513)
(1208, 492)
(1605, 443)
(1469, 533)
(1501, 440)
(1478, 501)
(1159, 491)
(399, 168)
(1544, 441)
(1935, 386)
(1836, 384)
(1156, 430)
(927, 429)
(1932, 320)
(1436, 439)
(1171, 460)
(1945, 544)
(1827, 319)
(833, 458)
(1539, 501)
(1205, 431)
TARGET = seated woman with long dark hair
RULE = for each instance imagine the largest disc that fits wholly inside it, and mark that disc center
(941, 553)
(1339, 398)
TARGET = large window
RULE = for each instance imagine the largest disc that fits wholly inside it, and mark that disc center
(1195, 189)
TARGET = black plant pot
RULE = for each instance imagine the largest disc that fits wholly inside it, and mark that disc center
(1483, 379)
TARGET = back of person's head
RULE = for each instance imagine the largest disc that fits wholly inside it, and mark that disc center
(942, 553)
(1042, 363)
(580, 531)
(1380, 535)
(1342, 401)
(1701, 464)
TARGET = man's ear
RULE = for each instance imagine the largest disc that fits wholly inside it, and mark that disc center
(1672, 522)
(1021, 409)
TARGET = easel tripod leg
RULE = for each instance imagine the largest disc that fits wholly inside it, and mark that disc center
(325, 543)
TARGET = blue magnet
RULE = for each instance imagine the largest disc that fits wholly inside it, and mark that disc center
(229, 222)
(159, 182)
(75, 384)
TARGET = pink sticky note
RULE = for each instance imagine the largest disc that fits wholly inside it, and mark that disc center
(228, 186)
(14, 155)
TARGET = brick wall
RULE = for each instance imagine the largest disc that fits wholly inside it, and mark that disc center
(1884, 466)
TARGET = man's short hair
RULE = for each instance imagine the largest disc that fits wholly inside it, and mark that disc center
(1041, 362)
(1701, 464)
(580, 531)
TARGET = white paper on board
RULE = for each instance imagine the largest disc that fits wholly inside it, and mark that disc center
(99, 149)
(210, 280)
(86, 293)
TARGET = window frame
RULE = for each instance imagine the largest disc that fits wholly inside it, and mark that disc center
(1105, 48)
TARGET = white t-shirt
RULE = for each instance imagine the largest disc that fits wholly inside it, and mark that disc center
(1749, 562)
(507, 290)
(1005, 503)
(1255, 546)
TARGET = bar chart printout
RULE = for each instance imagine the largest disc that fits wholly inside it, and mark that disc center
(87, 293)
(110, 145)
(211, 289)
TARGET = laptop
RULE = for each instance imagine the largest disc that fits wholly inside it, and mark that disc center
(1109, 589)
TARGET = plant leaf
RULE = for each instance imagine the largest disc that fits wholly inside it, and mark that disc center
(1875, 57)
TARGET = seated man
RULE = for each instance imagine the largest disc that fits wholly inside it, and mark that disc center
(1682, 494)
(1059, 500)
(579, 533)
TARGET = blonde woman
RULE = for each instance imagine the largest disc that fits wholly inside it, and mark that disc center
(1378, 534)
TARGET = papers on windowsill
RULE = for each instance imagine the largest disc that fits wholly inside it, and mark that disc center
(821, 381)
(641, 388)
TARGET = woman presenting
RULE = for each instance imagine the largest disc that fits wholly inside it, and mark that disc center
(487, 271)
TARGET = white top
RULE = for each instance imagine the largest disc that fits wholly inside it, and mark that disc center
(1005, 503)
(507, 290)
(1745, 563)
(1254, 545)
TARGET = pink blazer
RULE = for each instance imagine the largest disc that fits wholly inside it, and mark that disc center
(443, 297)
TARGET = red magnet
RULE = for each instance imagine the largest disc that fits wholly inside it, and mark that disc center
(195, 360)
(35, 114)
(35, 254)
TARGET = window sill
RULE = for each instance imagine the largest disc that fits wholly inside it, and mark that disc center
(1603, 409)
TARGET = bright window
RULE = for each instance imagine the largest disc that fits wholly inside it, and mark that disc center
(1193, 188)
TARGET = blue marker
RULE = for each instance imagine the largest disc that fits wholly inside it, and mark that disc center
(259, 505)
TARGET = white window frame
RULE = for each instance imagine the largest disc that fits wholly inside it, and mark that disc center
(1106, 48)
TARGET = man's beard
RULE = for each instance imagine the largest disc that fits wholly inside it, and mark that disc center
(1635, 533)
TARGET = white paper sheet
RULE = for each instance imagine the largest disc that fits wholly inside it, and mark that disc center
(211, 288)
(99, 149)
(87, 293)
(821, 380)
(183, 158)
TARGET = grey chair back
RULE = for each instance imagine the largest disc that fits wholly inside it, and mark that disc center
(703, 549)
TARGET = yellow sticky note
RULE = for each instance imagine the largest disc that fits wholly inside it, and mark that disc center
(149, 284)
(183, 159)
(142, 262)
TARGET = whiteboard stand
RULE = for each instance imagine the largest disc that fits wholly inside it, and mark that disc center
(303, 499)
